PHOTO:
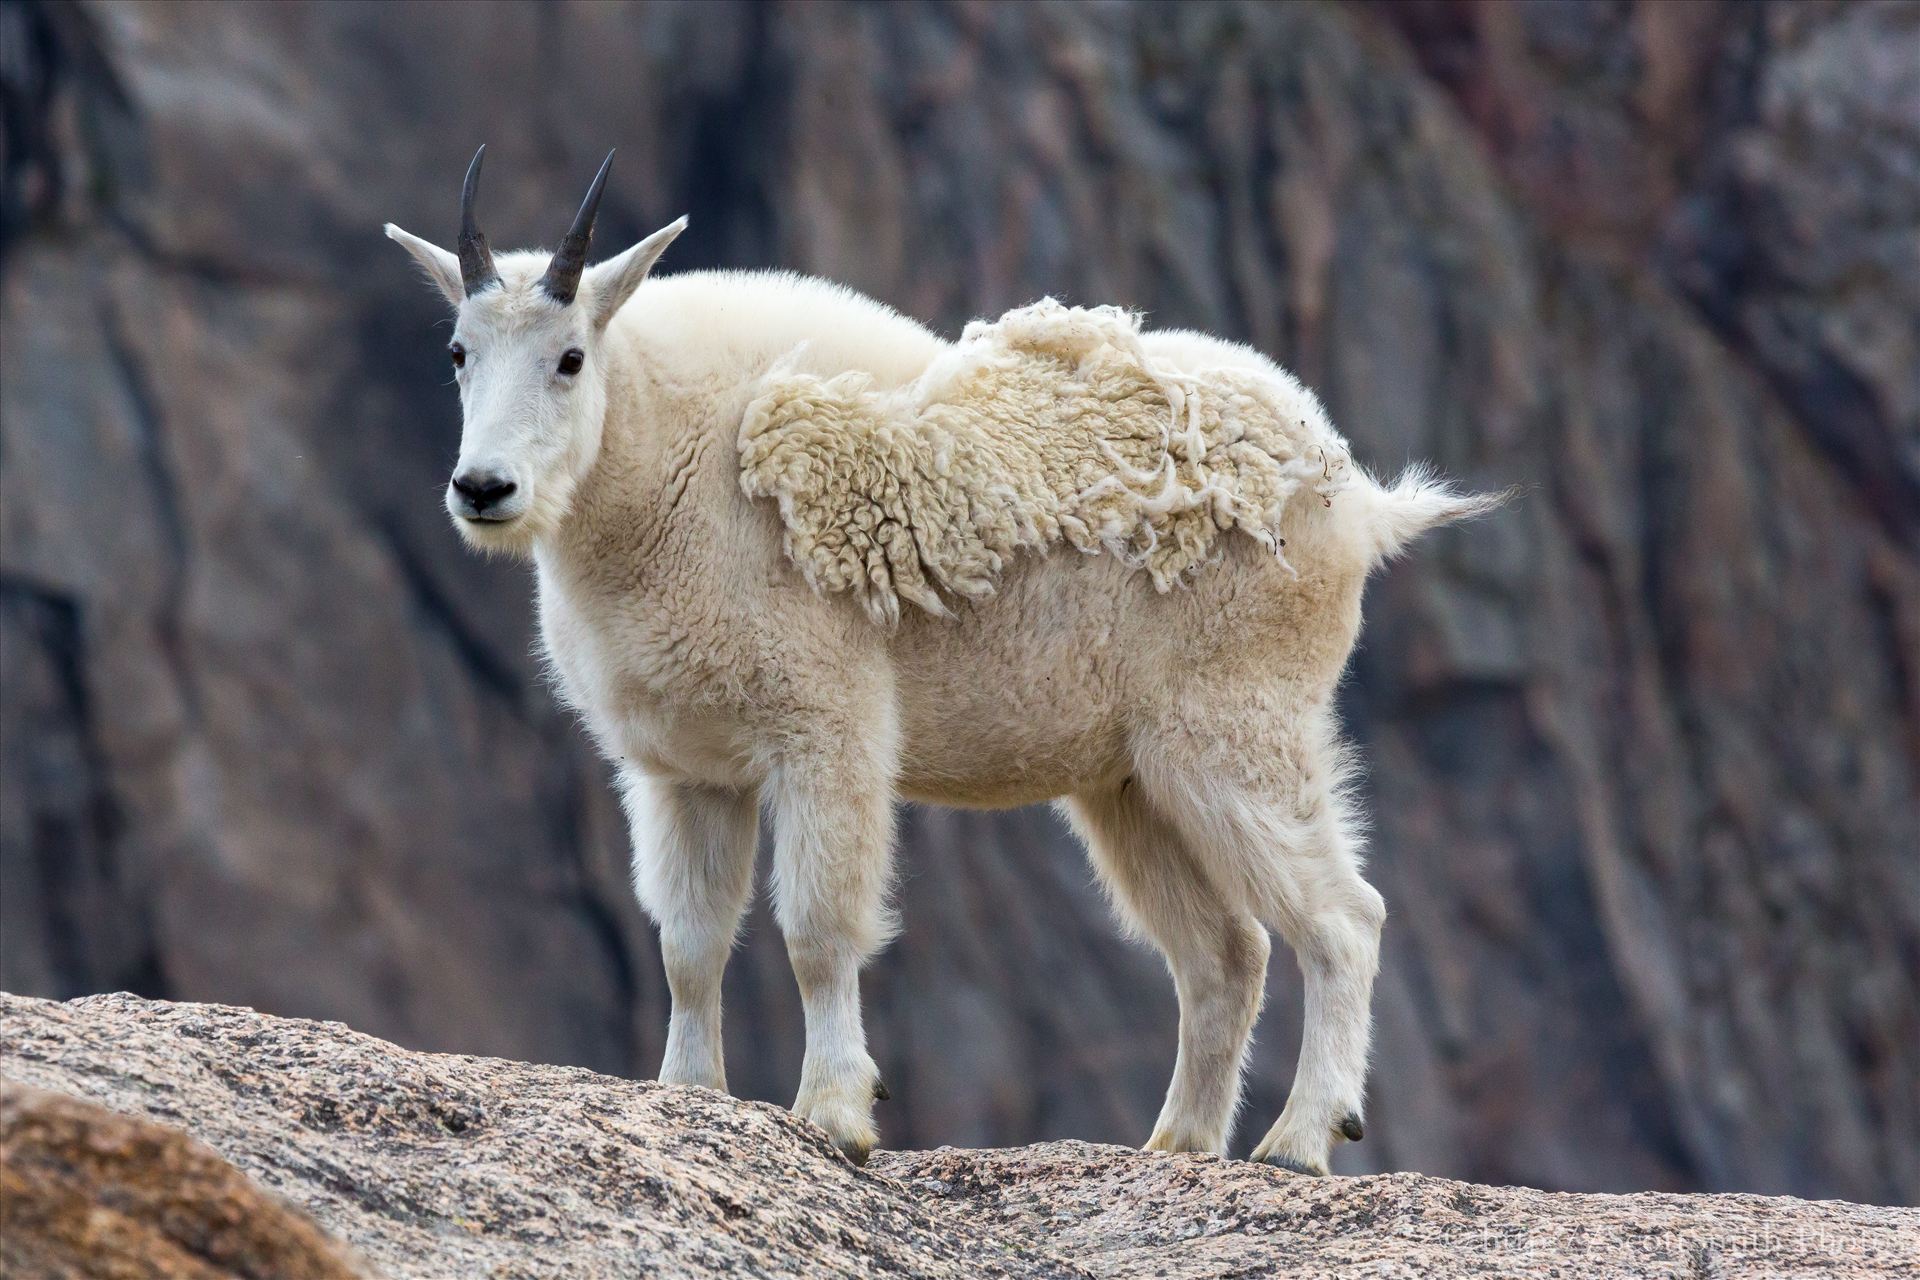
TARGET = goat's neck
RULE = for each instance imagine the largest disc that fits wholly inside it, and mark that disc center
(615, 505)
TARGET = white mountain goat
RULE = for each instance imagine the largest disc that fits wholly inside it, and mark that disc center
(1132, 566)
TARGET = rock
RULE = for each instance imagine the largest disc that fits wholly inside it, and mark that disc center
(454, 1167)
(90, 1192)
(441, 1166)
(1124, 1213)
(1641, 750)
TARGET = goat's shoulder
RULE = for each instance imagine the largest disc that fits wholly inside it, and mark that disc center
(734, 324)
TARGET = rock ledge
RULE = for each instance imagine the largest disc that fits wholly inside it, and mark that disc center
(430, 1165)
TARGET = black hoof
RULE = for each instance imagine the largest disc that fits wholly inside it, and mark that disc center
(1351, 1129)
(880, 1093)
(1292, 1166)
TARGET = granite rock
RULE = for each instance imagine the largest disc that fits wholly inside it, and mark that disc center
(91, 1192)
(439, 1166)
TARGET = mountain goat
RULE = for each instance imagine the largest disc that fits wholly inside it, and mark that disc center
(1131, 568)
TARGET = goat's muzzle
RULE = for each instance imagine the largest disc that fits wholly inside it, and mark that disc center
(483, 495)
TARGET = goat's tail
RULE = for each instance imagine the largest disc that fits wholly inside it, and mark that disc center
(1381, 521)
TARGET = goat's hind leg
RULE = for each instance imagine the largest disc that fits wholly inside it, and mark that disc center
(1337, 942)
(1217, 953)
(1264, 810)
(693, 852)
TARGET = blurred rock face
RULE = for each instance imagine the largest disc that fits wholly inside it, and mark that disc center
(1644, 752)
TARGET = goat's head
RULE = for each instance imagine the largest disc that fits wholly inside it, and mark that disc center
(526, 354)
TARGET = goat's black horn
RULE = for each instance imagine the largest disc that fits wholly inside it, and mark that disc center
(476, 260)
(562, 280)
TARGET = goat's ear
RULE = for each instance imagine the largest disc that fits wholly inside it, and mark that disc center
(615, 279)
(442, 268)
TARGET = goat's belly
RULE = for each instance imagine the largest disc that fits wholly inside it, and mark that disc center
(1025, 696)
(1001, 762)
(995, 729)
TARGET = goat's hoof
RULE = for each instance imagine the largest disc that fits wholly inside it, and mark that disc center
(1351, 1129)
(880, 1093)
(843, 1106)
(1293, 1166)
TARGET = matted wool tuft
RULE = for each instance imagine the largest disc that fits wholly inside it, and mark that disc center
(1052, 425)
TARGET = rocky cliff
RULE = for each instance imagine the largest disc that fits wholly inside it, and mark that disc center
(1645, 751)
(210, 1141)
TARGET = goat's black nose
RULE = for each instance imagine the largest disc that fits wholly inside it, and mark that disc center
(483, 489)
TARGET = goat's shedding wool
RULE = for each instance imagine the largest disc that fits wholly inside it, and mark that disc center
(1052, 424)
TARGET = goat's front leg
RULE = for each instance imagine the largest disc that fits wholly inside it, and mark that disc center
(833, 831)
(693, 852)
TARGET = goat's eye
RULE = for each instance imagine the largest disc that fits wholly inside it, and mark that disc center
(459, 354)
(571, 360)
